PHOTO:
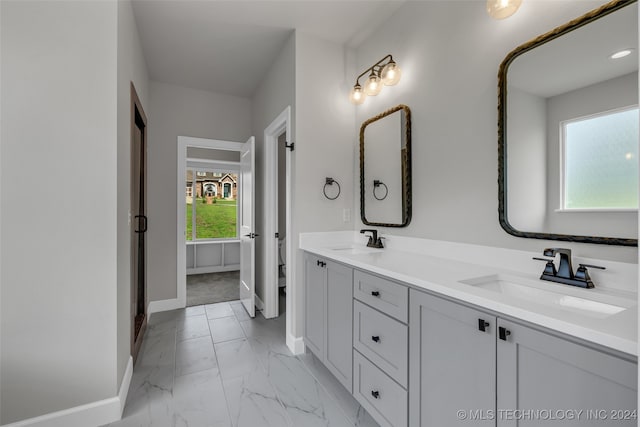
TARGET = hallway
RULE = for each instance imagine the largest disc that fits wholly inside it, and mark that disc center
(213, 366)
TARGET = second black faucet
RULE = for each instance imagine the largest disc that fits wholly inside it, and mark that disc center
(564, 273)
(374, 240)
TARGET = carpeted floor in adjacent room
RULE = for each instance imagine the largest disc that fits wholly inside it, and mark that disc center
(210, 288)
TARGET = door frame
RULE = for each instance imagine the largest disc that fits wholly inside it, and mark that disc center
(181, 228)
(136, 109)
(281, 124)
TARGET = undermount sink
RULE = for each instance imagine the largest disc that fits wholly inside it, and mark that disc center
(559, 296)
(354, 250)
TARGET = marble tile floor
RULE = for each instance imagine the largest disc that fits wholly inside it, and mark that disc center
(214, 366)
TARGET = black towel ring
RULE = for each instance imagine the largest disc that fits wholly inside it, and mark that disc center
(330, 181)
(377, 183)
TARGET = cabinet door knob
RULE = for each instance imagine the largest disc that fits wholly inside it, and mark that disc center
(375, 394)
(375, 293)
(375, 338)
(503, 333)
(483, 325)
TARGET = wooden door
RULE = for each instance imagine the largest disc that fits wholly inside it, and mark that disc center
(138, 223)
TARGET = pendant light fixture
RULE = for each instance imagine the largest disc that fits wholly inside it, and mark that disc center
(501, 9)
(383, 73)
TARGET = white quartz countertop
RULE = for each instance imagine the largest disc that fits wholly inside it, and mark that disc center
(443, 275)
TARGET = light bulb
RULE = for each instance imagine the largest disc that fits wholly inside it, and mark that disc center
(391, 74)
(357, 95)
(373, 85)
(501, 9)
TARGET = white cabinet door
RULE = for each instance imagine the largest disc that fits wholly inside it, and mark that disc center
(540, 371)
(451, 363)
(339, 354)
(328, 315)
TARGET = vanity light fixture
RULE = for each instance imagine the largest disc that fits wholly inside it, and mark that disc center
(384, 72)
(621, 54)
(501, 9)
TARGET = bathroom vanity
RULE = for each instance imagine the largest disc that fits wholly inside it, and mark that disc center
(427, 333)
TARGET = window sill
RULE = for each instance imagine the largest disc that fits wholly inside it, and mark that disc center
(211, 241)
(596, 210)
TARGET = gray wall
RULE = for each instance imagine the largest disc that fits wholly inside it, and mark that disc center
(324, 148)
(177, 111)
(58, 197)
(274, 94)
(212, 154)
(527, 160)
(450, 53)
(131, 68)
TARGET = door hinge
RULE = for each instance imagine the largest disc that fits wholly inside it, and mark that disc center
(289, 146)
(277, 235)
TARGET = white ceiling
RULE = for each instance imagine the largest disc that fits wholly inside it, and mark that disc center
(227, 46)
(581, 57)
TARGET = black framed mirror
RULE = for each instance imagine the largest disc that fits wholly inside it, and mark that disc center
(385, 168)
(568, 131)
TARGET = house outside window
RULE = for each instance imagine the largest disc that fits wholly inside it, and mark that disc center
(212, 212)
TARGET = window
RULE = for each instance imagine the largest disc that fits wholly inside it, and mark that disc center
(600, 168)
(207, 215)
(210, 189)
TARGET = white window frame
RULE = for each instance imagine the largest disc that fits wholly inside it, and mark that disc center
(563, 157)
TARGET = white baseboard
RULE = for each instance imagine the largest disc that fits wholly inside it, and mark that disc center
(124, 386)
(96, 413)
(213, 269)
(164, 305)
(295, 344)
(259, 303)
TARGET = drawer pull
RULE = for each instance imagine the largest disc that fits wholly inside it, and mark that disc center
(503, 333)
(375, 293)
(375, 394)
(482, 325)
(375, 338)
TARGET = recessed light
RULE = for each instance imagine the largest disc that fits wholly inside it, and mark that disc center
(621, 54)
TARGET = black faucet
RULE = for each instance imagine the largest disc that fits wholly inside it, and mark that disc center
(374, 240)
(565, 269)
(564, 273)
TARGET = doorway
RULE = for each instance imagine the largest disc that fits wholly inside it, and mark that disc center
(212, 226)
(214, 193)
(138, 191)
(278, 150)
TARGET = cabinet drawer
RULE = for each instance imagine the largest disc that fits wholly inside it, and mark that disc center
(381, 339)
(389, 297)
(382, 397)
